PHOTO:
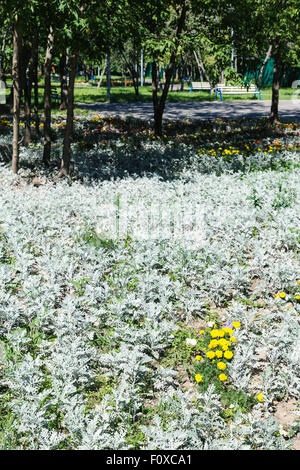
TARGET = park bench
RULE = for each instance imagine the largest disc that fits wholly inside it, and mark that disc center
(55, 78)
(236, 90)
(54, 94)
(175, 87)
(200, 86)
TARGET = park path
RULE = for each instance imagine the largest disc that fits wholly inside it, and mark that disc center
(288, 109)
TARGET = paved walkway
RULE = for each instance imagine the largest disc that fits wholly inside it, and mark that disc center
(288, 109)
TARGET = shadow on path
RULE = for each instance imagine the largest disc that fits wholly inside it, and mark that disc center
(288, 109)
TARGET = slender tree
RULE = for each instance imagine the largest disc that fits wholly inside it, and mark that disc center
(47, 98)
(35, 80)
(65, 163)
(17, 91)
(272, 25)
(158, 27)
(26, 86)
(63, 81)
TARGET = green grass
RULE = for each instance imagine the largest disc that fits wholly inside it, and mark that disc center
(127, 95)
(92, 94)
(123, 95)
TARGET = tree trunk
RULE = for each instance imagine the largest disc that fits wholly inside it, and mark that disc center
(164, 73)
(133, 73)
(201, 66)
(157, 117)
(102, 74)
(123, 76)
(35, 83)
(159, 84)
(26, 85)
(108, 84)
(1, 56)
(173, 77)
(24, 60)
(16, 96)
(222, 78)
(159, 106)
(275, 85)
(65, 163)
(142, 68)
(47, 99)
(63, 82)
(136, 88)
(27, 98)
(268, 54)
(183, 73)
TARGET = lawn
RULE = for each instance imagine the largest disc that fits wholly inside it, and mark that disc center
(152, 299)
(122, 95)
(93, 94)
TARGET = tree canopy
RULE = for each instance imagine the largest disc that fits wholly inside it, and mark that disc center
(180, 33)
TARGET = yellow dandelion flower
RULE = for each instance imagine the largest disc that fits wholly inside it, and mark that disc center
(232, 339)
(282, 295)
(198, 378)
(219, 353)
(236, 324)
(198, 358)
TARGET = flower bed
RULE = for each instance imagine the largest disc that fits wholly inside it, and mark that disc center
(108, 331)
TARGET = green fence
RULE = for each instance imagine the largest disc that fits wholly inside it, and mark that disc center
(288, 75)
